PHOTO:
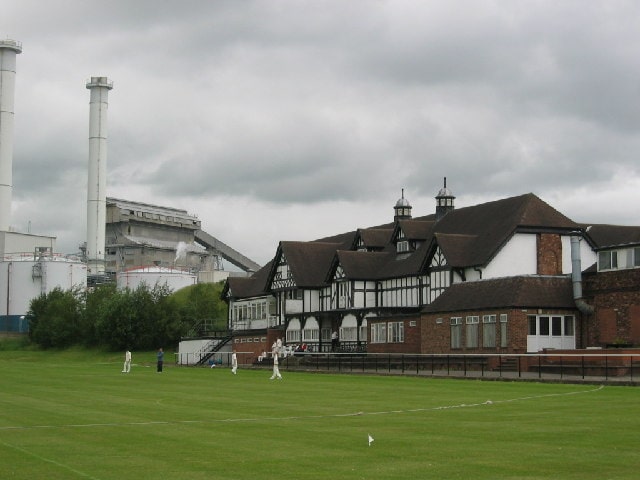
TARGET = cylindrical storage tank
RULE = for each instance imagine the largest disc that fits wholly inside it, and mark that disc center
(22, 279)
(174, 278)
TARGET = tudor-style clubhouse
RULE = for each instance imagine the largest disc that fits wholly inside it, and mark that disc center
(509, 276)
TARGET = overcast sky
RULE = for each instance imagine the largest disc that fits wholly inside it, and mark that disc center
(294, 120)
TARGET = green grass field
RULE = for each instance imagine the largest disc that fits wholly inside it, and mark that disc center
(73, 415)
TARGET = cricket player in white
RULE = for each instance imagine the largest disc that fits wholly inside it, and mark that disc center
(234, 362)
(127, 362)
(276, 371)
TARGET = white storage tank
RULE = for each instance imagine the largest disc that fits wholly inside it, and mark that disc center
(174, 278)
(24, 277)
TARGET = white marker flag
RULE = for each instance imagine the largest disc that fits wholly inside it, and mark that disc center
(370, 440)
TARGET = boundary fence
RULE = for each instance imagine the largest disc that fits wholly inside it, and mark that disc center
(588, 366)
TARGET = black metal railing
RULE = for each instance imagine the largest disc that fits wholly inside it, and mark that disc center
(591, 366)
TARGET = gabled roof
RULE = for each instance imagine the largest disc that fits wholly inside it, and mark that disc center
(468, 237)
(493, 223)
(530, 291)
(607, 236)
(457, 249)
(405, 266)
(308, 262)
(415, 229)
(375, 238)
(360, 265)
(253, 286)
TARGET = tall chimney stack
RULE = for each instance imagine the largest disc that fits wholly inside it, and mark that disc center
(8, 51)
(97, 185)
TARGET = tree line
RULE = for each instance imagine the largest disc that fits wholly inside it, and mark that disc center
(144, 318)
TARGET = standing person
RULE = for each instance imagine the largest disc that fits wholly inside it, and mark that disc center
(160, 356)
(127, 362)
(234, 362)
(334, 341)
(276, 371)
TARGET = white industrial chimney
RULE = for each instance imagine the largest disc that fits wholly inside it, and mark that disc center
(8, 51)
(97, 185)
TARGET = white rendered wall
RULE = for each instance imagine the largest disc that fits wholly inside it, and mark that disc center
(518, 257)
(587, 256)
(311, 300)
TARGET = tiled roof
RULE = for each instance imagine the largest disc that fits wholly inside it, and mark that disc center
(309, 261)
(468, 237)
(416, 229)
(458, 249)
(376, 238)
(492, 224)
(362, 265)
(253, 286)
(604, 236)
(509, 292)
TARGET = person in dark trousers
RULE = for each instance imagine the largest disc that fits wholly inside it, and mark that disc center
(160, 359)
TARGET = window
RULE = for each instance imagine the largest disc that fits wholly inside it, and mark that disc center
(293, 336)
(472, 331)
(533, 324)
(343, 294)
(556, 326)
(608, 260)
(456, 332)
(544, 326)
(503, 330)
(636, 257)
(348, 334)
(489, 331)
(310, 334)
(294, 294)
(568, 325)
(326, 334)
(395, 332)
(378, 333)
(363, 332)
(402, 246)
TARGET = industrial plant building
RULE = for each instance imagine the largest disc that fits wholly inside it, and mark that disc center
(139, 234)
(128, 242)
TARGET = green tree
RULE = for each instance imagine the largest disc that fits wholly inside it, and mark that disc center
(55, 318)
(96, 305)
(142, 319)
(202, 305)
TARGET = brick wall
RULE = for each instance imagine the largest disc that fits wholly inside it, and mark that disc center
(616, 298)
(436, 331)
(412, 336)
(251, 346)
(549, 256)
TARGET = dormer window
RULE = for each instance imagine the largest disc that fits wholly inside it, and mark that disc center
(402, 246)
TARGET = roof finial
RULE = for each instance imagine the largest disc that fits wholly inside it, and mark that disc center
(445, 182)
